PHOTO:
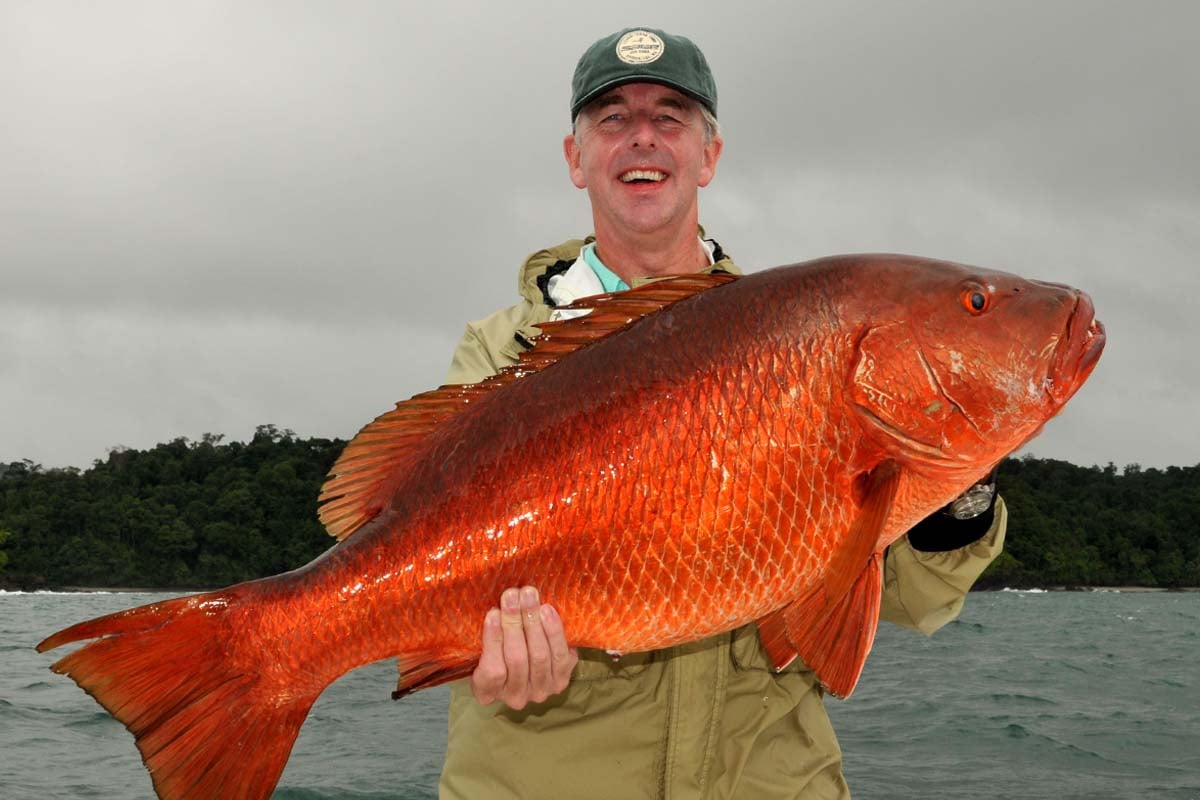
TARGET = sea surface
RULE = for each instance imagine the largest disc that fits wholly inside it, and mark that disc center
(1028, 695)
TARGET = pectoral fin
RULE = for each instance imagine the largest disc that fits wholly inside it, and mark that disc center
(833, 626)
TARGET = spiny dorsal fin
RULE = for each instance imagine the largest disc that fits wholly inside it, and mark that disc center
(363, 480)
(358, 486)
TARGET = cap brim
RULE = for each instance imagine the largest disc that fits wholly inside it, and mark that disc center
(624, 79)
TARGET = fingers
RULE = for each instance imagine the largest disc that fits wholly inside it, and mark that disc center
(487, 680)
(540, 675)
(515, 692)
(562, 657)
(525, 655)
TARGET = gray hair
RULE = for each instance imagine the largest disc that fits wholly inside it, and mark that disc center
(712, 128)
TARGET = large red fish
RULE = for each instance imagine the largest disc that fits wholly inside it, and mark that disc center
(695, 454)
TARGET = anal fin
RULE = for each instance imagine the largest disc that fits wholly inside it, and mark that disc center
(421, 670)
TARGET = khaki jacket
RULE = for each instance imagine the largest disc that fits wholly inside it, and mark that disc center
(709, 719)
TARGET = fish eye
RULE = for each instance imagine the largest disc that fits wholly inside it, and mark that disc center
(976, 299)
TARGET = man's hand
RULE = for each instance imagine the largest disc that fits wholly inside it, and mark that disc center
(964, 521)
(525, 654)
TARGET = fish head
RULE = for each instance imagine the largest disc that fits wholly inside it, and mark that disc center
(957, 367)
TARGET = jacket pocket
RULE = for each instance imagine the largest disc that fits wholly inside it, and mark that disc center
(597, 665)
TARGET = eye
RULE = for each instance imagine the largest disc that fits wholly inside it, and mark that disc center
(975, 298)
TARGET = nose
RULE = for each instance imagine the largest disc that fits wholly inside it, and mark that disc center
(643, 133)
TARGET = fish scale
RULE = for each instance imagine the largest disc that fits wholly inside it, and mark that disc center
(692, 455)
(696, 573)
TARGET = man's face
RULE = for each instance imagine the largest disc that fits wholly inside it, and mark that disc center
(640, 152)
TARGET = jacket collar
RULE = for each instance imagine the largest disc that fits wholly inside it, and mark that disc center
(543, 267)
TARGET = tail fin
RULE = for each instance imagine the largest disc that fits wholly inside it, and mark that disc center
(207, 726)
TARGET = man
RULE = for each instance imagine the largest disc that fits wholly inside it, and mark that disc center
(710, 719)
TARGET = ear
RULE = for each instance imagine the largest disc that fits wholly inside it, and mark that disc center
(712, 154)
(574, 156)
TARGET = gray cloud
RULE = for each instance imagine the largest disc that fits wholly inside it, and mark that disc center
(221, 215)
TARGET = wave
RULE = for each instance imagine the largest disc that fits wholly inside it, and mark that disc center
(4, 592)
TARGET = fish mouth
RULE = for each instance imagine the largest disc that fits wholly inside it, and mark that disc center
(1077, 352)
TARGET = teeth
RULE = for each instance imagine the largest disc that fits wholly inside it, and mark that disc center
(643, 175)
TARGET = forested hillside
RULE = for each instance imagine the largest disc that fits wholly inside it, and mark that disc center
(183, 514)
(208, 513)
(1097, 526)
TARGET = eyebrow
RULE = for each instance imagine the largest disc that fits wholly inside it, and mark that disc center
(615, 98)
(606, 100)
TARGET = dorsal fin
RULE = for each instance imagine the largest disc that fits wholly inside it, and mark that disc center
(363, 479)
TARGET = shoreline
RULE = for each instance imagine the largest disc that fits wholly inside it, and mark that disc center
(1113, 589)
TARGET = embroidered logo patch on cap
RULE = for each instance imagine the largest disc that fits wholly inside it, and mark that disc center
(639, 47)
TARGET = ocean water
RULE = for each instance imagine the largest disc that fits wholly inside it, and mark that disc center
(1028, 695)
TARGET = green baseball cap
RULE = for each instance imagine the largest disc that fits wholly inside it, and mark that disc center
(642, 55)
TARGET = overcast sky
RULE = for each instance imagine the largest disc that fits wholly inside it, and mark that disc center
(224, 214)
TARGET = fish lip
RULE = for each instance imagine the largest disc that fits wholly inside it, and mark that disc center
(1077, 353)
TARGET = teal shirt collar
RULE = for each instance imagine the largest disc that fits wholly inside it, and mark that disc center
(608, 279)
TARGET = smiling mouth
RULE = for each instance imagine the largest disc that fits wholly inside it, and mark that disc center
(643, 176)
